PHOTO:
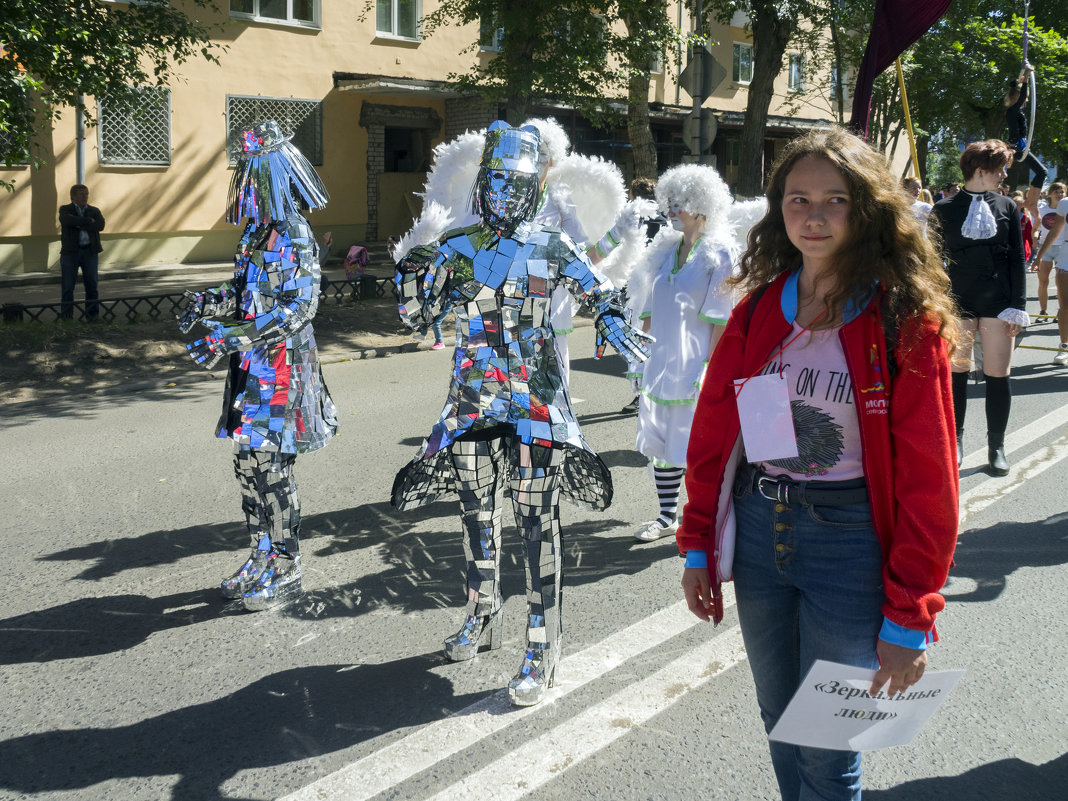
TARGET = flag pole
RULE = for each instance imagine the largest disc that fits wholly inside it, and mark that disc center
(908, 120)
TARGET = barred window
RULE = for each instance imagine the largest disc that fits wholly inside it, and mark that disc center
(291, 12)
(141, 135)
(302, 118)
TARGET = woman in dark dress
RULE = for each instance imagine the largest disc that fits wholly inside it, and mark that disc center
(983, 249)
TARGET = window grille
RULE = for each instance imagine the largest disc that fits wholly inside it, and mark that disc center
(302, 118)
(141, 135)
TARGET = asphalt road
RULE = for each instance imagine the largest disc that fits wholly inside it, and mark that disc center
(125, 676)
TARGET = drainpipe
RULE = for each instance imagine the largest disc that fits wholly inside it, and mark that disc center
(79, 142)
(678, 61)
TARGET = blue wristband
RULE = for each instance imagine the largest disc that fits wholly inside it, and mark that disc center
(899, 635)
(697, 558)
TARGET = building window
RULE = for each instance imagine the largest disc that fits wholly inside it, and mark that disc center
(656, 63)
(838, 89)
(796, 76)
(743, 63)
(489, 37)
(138, 136)
(302, 118)
(399, 18)
(289, 12)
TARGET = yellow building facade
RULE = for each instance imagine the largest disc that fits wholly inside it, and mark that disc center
(369, 100)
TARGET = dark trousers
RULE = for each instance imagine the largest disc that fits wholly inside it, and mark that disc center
(70, 262)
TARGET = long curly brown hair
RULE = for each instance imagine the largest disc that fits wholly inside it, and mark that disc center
(886, 243)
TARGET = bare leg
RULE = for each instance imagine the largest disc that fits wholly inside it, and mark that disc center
(1044, 268)
(1062, 315)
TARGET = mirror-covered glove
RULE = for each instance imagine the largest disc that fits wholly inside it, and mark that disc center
(612, 327)
(209, 350)
(418, 291)
(193, 312)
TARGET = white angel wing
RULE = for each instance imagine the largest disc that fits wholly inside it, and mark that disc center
(447, 191)
(595, 187)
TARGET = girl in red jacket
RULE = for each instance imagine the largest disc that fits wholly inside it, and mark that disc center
(840, 535)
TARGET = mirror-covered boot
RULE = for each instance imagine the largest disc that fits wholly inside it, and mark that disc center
(242, 580)
(478, 633)
(279, 581)
(536, 675)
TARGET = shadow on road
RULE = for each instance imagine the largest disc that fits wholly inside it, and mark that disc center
(430, 559)
(996, 781)
(990, 555)
(285, 717)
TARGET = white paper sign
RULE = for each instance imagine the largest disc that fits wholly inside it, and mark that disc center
(832, 709)
(766, 418)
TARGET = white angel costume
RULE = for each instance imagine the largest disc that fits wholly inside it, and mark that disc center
(683, 302)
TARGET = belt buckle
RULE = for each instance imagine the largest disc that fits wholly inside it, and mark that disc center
(781, 490)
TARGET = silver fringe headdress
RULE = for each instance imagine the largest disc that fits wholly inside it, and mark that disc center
(272, 179)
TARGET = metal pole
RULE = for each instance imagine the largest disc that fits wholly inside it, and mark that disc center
(698, 86)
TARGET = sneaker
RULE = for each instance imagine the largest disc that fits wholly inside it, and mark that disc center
(1062, 357)
(279, 581)
(437, 346)
(654, 530)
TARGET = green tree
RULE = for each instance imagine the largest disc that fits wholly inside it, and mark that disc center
(55, 52)
(774, 24)
(573, 50)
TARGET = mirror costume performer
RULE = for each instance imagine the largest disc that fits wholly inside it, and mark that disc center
(508, 422)
(276, 404)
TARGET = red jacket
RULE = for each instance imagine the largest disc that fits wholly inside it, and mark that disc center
(907, 440)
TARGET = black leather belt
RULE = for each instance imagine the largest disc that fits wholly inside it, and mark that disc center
(817, 493)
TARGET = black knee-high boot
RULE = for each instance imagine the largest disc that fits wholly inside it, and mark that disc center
(960, 406)
(998, 403)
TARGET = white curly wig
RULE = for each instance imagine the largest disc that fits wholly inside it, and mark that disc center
(696, 188)
(555, 144)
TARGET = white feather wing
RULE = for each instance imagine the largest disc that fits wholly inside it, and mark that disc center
(595, 187)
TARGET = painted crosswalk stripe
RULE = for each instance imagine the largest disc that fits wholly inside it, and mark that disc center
(539, 761)
(425, 747)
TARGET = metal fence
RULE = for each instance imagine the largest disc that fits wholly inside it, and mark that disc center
(155, 307)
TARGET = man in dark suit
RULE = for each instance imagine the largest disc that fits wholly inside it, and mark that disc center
(81, 225)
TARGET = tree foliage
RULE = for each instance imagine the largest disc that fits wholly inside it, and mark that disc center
(55, 52)
(774, 25)
(956, 74)
(572, 50)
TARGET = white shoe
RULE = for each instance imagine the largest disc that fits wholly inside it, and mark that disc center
(653, 530)
(1062, 357)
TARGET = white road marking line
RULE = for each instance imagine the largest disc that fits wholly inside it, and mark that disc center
(559, 749)
(425, 747)
(994, 489)
(1017, 439)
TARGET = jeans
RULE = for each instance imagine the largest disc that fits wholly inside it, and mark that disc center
(435, 324)
(808, 584)
(87, 260)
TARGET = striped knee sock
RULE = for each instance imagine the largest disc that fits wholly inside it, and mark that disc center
(668, 482)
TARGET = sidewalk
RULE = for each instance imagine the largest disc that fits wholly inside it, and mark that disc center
(127, 282)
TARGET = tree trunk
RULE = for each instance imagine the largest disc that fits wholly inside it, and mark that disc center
(771, 34)
(642, 146)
